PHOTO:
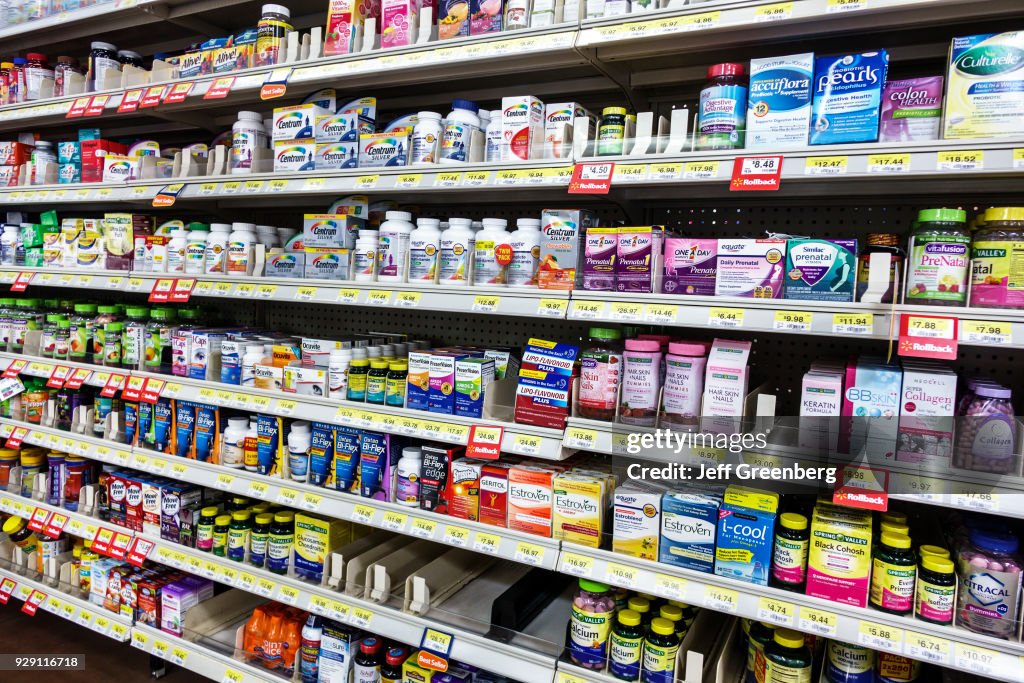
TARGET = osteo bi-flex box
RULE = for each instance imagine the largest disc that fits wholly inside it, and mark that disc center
(779, 101)
(848, 97)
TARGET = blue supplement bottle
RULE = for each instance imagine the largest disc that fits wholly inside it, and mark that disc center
(722, 119)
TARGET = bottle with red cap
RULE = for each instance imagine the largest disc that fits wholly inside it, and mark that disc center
(38, 77)
(391, 672)
(723, 108)
(366, 666)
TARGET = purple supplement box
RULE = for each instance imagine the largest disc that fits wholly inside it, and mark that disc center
(599, 249)
(691, 266)
(911, 109)
(639, 261)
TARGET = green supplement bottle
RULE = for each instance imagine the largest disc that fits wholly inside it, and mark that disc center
(626, 645)
(357, 372)
(787, 658)
(112, 344)
(279, 545)
(789, 559)
(675, 615)
(641, 606)
(377, 382)
(933, 550)
(757, 639)
(204, 529)
(660, 648)
(260, 538)
(935, 596)
(398, 377)
(133, 337)
(62, 342)
(611, 131)
(81, 332)
(238, 535)
(221, 528)
(159, 331)
(893, 573)
(49, 336)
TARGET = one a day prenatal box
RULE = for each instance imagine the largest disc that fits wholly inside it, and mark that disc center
(691, 266)
(847, 97)
(779, 101)
(821, 270)
(985, 86)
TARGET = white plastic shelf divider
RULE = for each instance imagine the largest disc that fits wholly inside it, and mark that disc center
(944, 645)
(72, 608)
(196, 658)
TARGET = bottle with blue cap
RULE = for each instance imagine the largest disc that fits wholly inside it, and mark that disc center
(459, 127)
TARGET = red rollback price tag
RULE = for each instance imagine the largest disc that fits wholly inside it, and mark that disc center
(178, 92)
(113, 385)
(32, 602)
(78, 378)
(862, 487)
(756, 174)
(592, 178)
(58, 376)
(130, 101)
(220, 88)
(151, 391)
(96, 105)
(182, 291)
(55, 524)
(37, 522)
(152, 97)
(138, 551)
(484, 442)
(78, 107)
(133, 388)
(15, 368)
(101, 541)
(21, 282)
(7, 587)
(119, 545)
(928, 336)
(16, 437)
(276, 84)
(161, 292)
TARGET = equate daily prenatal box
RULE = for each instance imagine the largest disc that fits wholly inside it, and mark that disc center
(847, 97)
(751, 268)
(746, 523)
(839, 557)
(779, 101)
(985, 86)
(636, 520)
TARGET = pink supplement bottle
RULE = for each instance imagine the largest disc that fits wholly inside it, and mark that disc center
(600, 373)
(684, 382)
(641, 382)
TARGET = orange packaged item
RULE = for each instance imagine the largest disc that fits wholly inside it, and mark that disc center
(272, 636)
(530, 495)
(464, 489)
(494, 493)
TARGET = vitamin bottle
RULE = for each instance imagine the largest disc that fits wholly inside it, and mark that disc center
(391, 671)
(133, 337)
(337, 373)
(893, 573)
(625, 646)
(758, 637)
(881, 243)
(722, 114)
(104, 67)
(62, 339)
(590, 624)
(641, 382)
(425, 251)
(365, 268)
(250, 450)
(525, 243)
(938, 261)
(659, 655)
(216, 248)
(935, 596)
(847, 663)
(890, 668)
(675, 615)
(987, 559)
(221, 527)
(641, 606)
(494, 140)
(426, 138)
(933, 550)
(248, 134)
(407, 482)
(159, 334)
(998, 247)
(789, 559)
(491, 254)
(376, 382)
(260, 539)
(459, 126)
(253, 356)
(366, 666)
(309, 649)
(517, 15)
(37, 72)
(299, 439)
(238, 535)
(357, 376)
(204, 528)
(397, 380)
(176, 248)
(457, 246)
(232, 452)
(17, 530)
(611, 131)
(112, 344)
(240, 245)
(600, 373)
(787, 658)
(684, 382)
(271, 31)
(279, 544)
(195, 252)
(393, 246)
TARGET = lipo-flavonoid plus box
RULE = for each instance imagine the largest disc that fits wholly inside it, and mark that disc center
(746, 524)
(927, 407)
(779, 101)
(847, 97)
(636, 520)
(691, 266)
(985, 86)
(689, 523)
(821, 270)
(522, 127)
(750, 268)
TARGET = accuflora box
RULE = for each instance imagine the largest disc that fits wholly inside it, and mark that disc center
(779, 101)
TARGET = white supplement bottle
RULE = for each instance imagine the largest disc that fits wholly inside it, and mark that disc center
(525, 241)
(232, 451)
(457, 140)
(176, 247)
(425, 251)
(487, 269)
(337, 373)
(407, 483)
(426, 138)
(217, 248)
(253, 355)
(250, 449)
(247, 135)
(393, 246)
(240, 242)
(517, 15)
(195, 252)
(8, 244)
(493, 136)
(456, 252)
(365, 266)
(298, 450)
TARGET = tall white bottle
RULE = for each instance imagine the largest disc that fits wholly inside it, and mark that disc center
(393, 246)
(456, 252)
(425, 251)
(525, 242)
(491, 244)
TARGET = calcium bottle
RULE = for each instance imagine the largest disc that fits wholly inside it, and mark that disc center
(247, 135)
(407, 482)
(525, 243)
(426, 138)
(459, 127)
(457, 246)
(239, 261)
(299, 439)
(393, 246)
(492, 253)
(425, 251)
(366, 256)
(217, 248)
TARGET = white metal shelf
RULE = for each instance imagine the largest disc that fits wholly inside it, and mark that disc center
(197, 658)
(944, 645)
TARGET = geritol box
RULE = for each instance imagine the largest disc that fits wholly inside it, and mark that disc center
(750, 268)
(691, 266)
(779, 101)
(560, 246)
(821, 270)
(985, 86)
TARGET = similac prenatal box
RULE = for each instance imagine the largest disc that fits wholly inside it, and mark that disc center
(530, 496)
(746, 523)
(839, 557)
(779, 101)
(636, 520)
(985, 86)
(688, 526)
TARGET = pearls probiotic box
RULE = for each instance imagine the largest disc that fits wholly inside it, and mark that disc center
(985, 86)
(779, 101)
(847, 97)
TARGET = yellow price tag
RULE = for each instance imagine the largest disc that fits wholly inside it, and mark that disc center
(776, 12)
(285, 406)
(253, 186)
(278, 185)
(529, 553)
(222, 288)
(118, 629)
(489, 544)
(447, 179)
(661, 313)
(288, 594)
(266, 291)
(360, 617)
(348, 296)
(627, 311)
(367, 182)
(622, 575)
(672, 587)
(394, 521)
(826, 165)
(245, 290)
(853, 323)
(629, 173)
(583, 439)
(776, 611)
(362, 514)
(700, 170)
(793, 321)
(977, 659)
(928, 648)
(960, 160)
(665, 171)
(527, 444)
(288, 497)
(408, 180)
(486, 303)
(888, 163)
(314, 184)
(983, 332)
(305, 293)
(586, 310)
(725, 317)
(207, 188)
(265, 587)
(455, 535)
(378, 297)
(932, 328)
(577, 565)
(513, 177)
(423, 528)
(845, 5)
(552, 308)
(880, 636)
(408, 299)
(232, 676)
(312, 501)
(721, 599)
(232, 187)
